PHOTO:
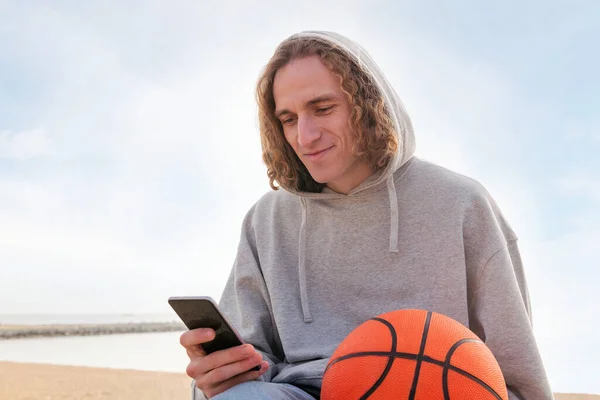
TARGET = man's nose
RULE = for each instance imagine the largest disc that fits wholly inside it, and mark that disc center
(308, 132)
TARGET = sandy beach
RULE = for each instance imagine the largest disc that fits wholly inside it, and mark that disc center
(20, 381)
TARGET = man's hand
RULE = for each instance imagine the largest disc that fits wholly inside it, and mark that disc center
(216, 372)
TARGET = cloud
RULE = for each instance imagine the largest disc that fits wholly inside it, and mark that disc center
(583, 130)
(24, 145)
(566, 302)
(55, 249)
(581, 185)
(156, 161)
(566, 292)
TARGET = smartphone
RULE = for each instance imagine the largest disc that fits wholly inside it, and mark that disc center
(204, 312)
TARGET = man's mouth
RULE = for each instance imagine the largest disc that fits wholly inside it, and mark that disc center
(318, 154)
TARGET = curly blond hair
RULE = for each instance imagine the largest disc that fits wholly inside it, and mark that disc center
(375, 138)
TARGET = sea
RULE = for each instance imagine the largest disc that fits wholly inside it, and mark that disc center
(140, 351)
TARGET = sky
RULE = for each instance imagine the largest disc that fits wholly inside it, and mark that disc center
(129, 148)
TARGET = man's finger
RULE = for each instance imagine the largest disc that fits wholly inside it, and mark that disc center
(195, 337)
(195, 352)
(236, 380)
(227, 371)
(228, 356)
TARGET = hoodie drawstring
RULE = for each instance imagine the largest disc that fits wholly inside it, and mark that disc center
(302, 244)
(393, 214)
(302, 264)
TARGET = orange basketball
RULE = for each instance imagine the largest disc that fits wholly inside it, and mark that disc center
(416, 355)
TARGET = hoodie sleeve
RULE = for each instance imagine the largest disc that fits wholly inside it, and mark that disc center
(245, 302)
(500, 314)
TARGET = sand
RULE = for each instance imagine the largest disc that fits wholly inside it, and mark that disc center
(20, 381)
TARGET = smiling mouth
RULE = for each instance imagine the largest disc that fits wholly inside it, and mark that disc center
(318, 153)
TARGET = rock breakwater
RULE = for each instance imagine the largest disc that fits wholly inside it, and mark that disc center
(31, 331)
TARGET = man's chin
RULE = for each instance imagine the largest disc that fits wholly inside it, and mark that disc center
(319, 178)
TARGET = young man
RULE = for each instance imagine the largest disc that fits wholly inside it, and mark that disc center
(360, 228)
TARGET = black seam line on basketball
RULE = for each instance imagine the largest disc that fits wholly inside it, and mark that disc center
(413, 389)
(447, 367)
(390, 361)
(406, 356)
(412, 356)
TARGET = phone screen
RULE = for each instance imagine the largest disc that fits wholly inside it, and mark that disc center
(203, 312)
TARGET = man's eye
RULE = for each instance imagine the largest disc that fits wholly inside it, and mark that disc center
(288, 121)
(323, 110)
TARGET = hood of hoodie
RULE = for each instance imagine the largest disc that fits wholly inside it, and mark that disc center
(398, 114)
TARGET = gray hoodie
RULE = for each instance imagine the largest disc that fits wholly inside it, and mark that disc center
(311, 267)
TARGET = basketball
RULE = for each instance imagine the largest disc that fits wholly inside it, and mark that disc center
(416, 355)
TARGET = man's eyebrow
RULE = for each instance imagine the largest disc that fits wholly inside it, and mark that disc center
(311, 102)
(322, 98)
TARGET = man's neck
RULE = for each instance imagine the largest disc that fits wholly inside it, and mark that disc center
(356, 175)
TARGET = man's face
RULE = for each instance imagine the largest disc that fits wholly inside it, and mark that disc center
(315, 116)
